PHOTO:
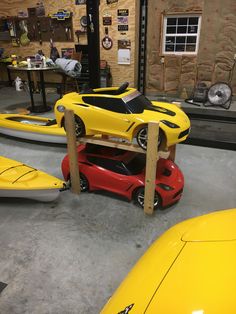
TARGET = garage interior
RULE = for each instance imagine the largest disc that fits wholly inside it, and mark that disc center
(70, 255)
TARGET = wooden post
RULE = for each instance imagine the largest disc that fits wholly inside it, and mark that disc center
(172, 150)
(72, 151)
(151, 164)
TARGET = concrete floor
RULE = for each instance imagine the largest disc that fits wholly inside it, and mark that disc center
(67, 257)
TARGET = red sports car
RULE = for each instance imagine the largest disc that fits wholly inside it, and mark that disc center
(123, 172)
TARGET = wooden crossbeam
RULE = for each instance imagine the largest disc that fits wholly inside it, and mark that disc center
(116, 144)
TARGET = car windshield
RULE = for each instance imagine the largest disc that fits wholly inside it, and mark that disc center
(138, 104)
(136, 164)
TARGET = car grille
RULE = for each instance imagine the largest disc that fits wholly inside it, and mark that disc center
(178, 193)
(184, 133)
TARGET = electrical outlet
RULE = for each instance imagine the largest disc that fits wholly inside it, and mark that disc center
(162, 60)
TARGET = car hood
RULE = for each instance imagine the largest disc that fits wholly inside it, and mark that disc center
(185, 271)
(201, 281)
(164, 111)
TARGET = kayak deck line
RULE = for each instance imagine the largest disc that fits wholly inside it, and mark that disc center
(24, 174)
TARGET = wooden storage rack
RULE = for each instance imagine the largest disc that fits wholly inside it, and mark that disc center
(151, 160)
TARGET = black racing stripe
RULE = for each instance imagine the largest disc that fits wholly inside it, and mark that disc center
(161, 110)
(130, 126)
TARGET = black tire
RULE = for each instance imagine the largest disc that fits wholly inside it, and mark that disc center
(79, 127)
(84, 184)
(139, 198)
(141, 137)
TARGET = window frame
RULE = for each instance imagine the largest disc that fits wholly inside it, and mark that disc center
(164, 34)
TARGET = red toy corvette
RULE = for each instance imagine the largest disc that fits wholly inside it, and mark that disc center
(123, 172)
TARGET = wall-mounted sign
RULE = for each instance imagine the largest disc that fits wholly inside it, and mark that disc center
(107, 20)
(123, 12)
(112, 1)
(122, 19)
(61, 15)
(124, 49)
(123, 28)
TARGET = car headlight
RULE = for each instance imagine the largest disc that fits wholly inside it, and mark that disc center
(61, 108)
(165, 187)
(170, 124)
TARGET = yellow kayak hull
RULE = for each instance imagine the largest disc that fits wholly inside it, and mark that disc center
(33, 128)
(20, 180)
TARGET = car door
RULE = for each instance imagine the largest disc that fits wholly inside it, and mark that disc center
(110, 175)
(110, 115)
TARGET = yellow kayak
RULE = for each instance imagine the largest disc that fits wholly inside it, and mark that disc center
(20, 180)
(32, 128)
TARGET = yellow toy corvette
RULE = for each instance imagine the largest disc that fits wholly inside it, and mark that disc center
(189, 270)
(123, 112)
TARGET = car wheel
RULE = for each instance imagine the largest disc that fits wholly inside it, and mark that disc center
(142, 137)
(139, 198)
(84, 184)
(79, 127)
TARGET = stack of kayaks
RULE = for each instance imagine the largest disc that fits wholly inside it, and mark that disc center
(20, 180)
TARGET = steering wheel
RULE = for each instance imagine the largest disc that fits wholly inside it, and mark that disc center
(122, 88)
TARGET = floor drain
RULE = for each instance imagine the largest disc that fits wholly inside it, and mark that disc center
(2, 286)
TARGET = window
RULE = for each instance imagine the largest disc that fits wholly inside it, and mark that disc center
(181, 34)
(136, 164)
(109, 164)
(138, 104)
(108, 103)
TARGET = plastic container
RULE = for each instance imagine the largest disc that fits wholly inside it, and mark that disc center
(44, 62)
(28, 63)
(18, 84)
(14, 60)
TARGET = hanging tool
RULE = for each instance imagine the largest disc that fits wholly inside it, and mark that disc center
(91, 25)
(69, 33)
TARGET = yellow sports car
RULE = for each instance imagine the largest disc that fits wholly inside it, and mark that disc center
(191, 269)
(123, 112)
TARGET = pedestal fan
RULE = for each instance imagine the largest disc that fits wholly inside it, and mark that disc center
(218, 94)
